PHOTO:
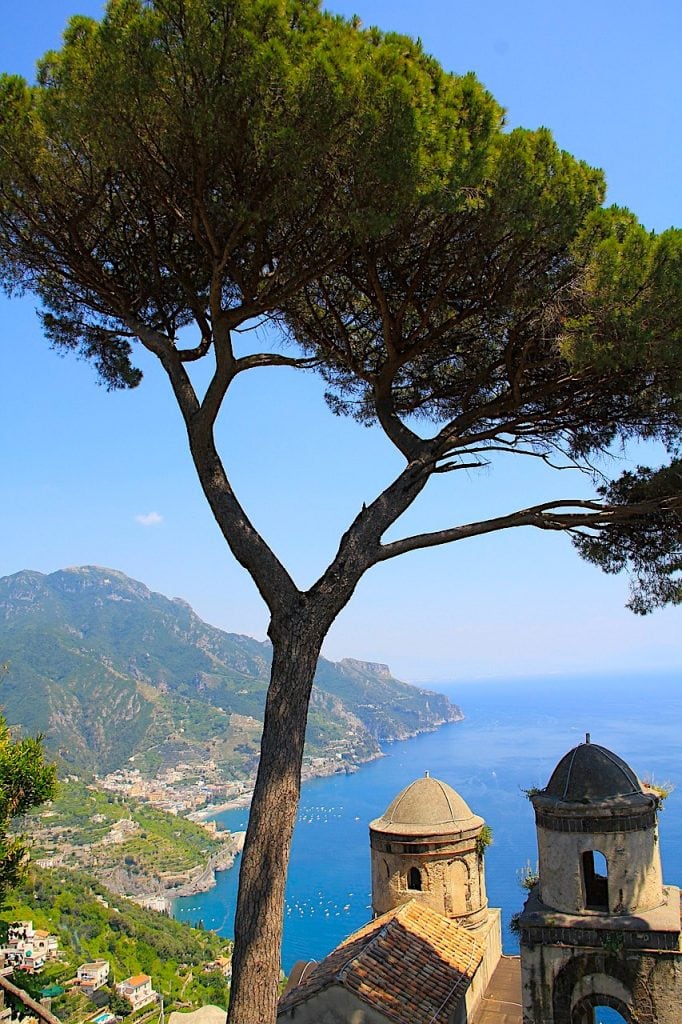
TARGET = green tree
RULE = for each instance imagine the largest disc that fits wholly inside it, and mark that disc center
(118, 1005)
(26, 781)
(187, 167)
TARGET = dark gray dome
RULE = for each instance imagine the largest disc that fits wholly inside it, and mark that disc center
(591, 773)
(427, 807)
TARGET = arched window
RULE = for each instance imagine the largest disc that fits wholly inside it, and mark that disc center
(600, 1010)
(414, 879)
(607, 1015)
(596, 882)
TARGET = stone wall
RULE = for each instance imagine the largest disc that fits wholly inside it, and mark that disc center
(561, 984)
(635, 878)
(451, 872)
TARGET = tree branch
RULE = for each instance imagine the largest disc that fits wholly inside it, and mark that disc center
(273, 582)
(404, 439)
(258, 359)
(224, 374)
(251, 551)
(360, 547)
(512, 447)
(546, 516)
(188, 355)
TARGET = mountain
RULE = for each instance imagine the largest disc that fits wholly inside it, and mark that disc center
(110, 671)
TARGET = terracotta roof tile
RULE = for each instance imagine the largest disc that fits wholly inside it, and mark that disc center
(411, 964)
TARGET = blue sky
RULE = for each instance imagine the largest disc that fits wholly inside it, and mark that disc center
(93, 478)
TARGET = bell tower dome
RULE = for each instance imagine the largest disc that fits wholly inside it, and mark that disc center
(597, 836)
(428, 845)
(599, 929)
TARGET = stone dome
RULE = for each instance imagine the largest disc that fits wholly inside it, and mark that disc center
(591, 773)
(427, 807)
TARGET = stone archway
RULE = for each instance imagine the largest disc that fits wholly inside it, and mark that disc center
(595, 875)
(583, 1011)
(414, 880)
(588, 981)
(458, 889)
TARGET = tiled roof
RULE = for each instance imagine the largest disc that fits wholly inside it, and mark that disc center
(411, 964)
(137, 980)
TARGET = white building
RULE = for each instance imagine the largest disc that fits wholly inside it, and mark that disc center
(137, 990)
(93, 975)
(28, 948)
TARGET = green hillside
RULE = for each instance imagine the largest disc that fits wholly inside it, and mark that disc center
(93, 923)
(110, 671)
(144, 848)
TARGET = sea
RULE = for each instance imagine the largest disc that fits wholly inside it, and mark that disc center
(513, 734)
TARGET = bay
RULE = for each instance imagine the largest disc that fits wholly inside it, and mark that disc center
(513, 734)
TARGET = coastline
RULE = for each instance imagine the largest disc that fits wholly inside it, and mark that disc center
(500, 749)
(203, 878)
(310, 772)
(158, 894)
(211, 811)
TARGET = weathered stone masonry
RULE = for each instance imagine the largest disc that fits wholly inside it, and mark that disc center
(599, 928)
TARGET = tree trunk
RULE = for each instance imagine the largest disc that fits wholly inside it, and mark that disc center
(274, 808)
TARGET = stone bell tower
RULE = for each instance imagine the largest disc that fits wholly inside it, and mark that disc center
(599, 928)
(429, 846)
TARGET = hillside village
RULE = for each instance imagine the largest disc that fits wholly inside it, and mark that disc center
(154, 962)
(182, 789)
(200, 791)
(134, 848)
(28, 950)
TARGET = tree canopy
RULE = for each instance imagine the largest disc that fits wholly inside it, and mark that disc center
(26, 780)
(185, 168)
(185, 162)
